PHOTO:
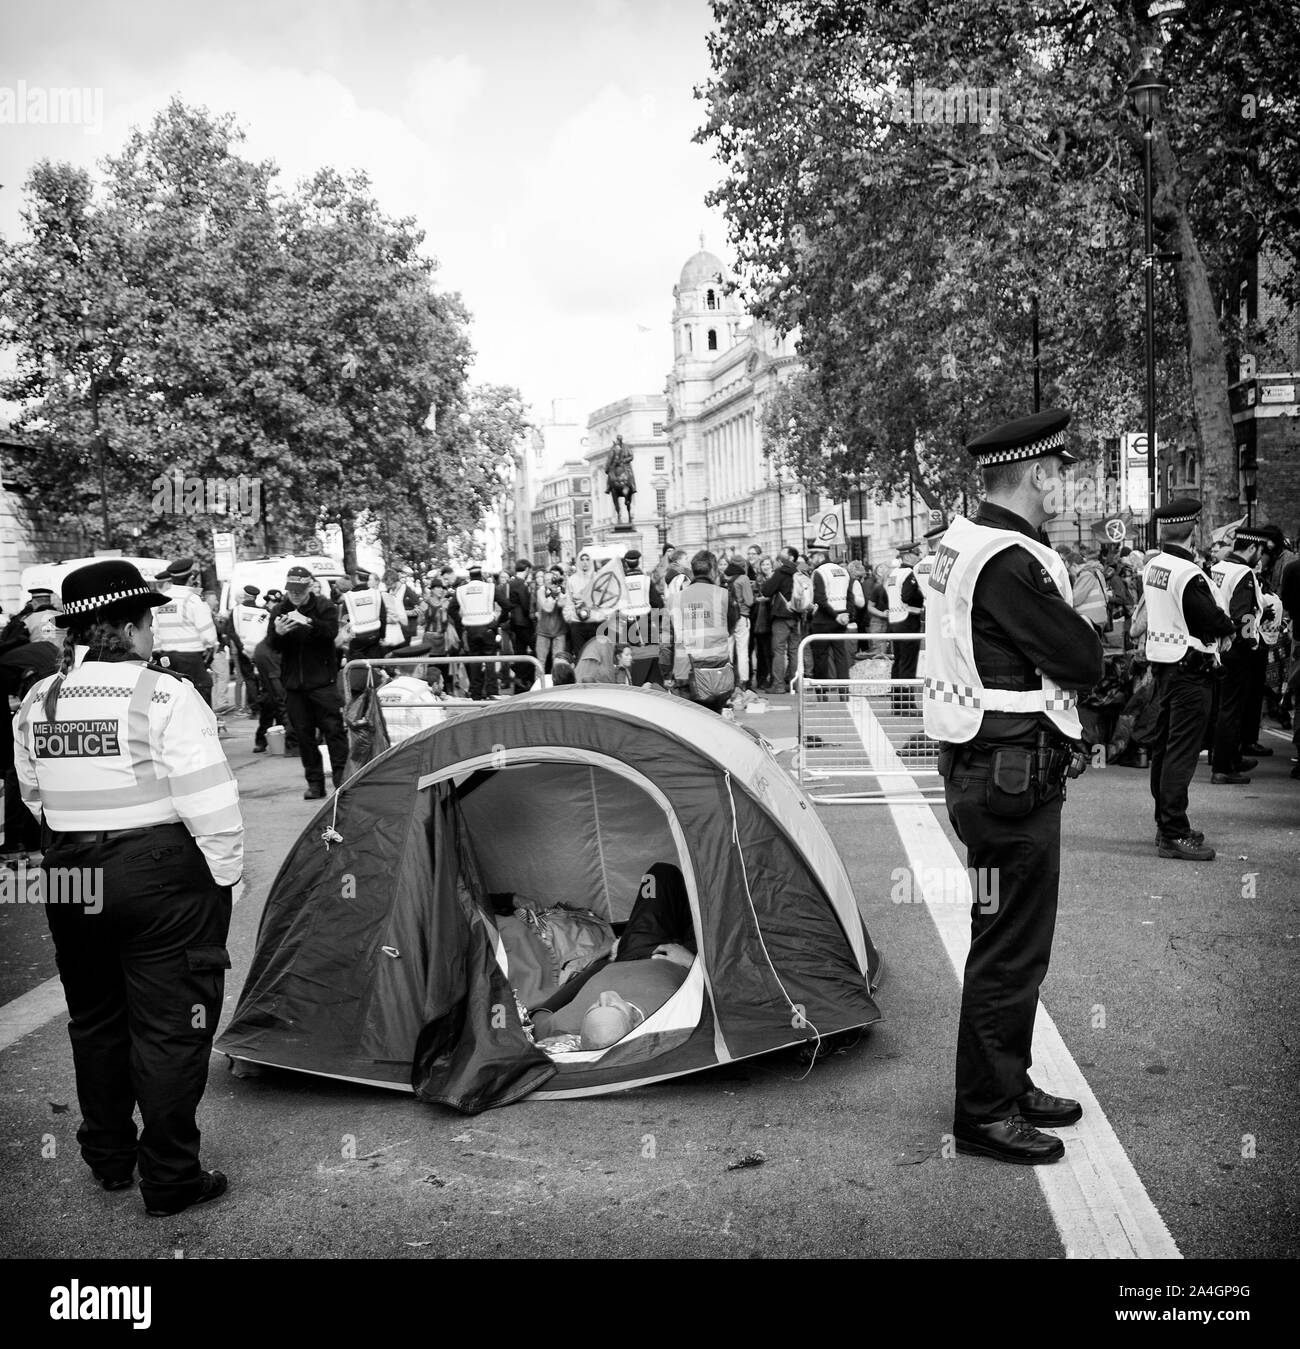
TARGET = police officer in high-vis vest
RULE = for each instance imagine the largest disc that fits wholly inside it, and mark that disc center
(121, 763)
(184, 632)
(1006, 657)
(830, 614)
(477, 612)
(703, 617)
(1185, 631)
(1236, 589)
(637, 621)
(368, 610)
(906, 615)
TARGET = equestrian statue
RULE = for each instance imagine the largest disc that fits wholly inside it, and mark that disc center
(620, 480)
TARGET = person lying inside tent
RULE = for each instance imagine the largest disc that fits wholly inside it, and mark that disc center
(647, 966)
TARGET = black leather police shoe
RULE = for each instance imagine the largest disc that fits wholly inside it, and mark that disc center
(1186, 850)
(1245, 765)
(1009, 1140)
(1048, 1112)
(1259, 751)
(314, 793)
(1229, 780)
(212, 1186)
(260, 749)
(1194, 834)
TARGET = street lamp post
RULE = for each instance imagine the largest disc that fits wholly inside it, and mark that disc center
(706, 524)
(90, 329)
(1033, 309)
(1146, 90)
(1249, 474)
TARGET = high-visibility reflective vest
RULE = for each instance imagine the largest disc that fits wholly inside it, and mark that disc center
(129, 747)
(835, 581)
(700, 627)
(922, 570)
(1164, 579)
(476, 601)
(1225, 577)
(184, 623)
(899, 609)
(365, 611)
(637, 588)
(1090, 597)
(250, 625)
(955, 699)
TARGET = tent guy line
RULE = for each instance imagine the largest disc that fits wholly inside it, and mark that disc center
(1096, 1197)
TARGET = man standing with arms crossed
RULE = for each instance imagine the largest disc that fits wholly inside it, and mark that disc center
(1006, 657)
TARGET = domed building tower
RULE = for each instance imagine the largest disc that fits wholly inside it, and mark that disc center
(706, 320)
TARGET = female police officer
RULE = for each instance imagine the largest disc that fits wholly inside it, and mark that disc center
(122, 762)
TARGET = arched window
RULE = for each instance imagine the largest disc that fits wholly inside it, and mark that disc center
(713, 339)
(711, 300)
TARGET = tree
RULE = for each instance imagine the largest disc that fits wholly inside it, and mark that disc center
(902, 178)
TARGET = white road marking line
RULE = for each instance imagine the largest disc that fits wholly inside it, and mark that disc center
(31, 1011)
(1097, 1200)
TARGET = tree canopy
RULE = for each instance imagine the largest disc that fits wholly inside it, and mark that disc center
(902, 178)
(217, 328)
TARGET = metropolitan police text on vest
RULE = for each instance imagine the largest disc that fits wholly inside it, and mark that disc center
(75, 739)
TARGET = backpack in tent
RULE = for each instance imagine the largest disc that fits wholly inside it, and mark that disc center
(379, 959)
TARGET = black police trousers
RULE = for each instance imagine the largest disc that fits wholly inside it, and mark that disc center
(905, 700)
(1241, 671)
(143, 978)
(483, 676)
(1185, 696)
(1017, 869)
(309, 709)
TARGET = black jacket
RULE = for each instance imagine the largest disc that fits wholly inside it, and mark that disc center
(308, 659)
(781, 581)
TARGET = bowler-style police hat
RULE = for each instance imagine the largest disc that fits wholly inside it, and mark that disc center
(102, 589)
(1180, 511)
(1025, 438)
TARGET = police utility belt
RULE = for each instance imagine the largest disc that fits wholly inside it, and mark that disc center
(1018, 778)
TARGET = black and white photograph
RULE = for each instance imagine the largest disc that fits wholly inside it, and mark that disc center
(650, 630)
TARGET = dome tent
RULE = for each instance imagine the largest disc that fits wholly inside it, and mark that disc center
(378, 959)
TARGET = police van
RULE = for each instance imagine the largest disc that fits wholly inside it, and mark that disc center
(268, 573)
(50, 575)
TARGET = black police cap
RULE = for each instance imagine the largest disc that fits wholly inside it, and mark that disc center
(1025, 438)
(1179, 511)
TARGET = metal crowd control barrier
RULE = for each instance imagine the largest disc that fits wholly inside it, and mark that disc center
(430, 714)
(867, 726)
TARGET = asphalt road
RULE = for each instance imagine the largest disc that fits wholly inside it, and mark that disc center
(1174, 987)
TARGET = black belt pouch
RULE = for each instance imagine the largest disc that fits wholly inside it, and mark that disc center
(1010, 791)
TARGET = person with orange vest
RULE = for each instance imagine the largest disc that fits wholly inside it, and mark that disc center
(1006, 657)
(120, 761)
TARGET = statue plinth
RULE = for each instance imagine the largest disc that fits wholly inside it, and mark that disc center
(624, 529)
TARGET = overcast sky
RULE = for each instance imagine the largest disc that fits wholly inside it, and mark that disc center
(543, 145)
